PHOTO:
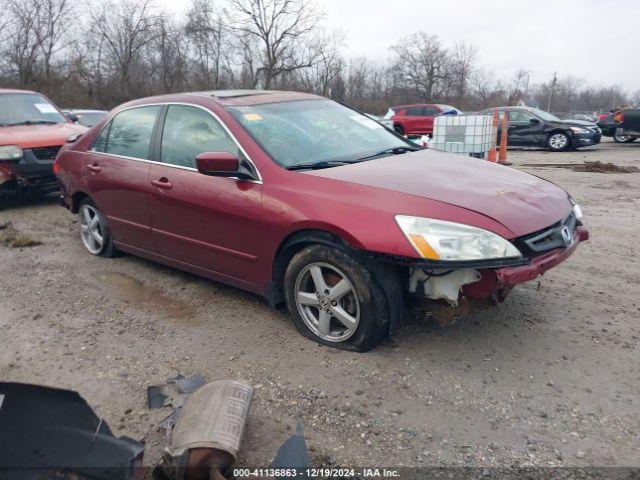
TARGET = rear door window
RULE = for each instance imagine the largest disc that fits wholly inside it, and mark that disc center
(189, 131)
(415, 112)
(431, 111)
(129, 133)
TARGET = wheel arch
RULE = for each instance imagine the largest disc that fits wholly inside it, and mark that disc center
(291, 245)
(76, 198)
(387, 275)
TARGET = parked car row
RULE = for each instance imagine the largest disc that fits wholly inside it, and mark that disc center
(528, 127)
(309, 203)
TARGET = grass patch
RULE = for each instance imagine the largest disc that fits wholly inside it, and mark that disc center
(11, 238)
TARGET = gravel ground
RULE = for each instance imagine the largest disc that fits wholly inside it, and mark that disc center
(551, 377)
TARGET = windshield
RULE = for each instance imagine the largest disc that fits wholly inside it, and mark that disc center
(546, 116)
(310, 131)
(25, 108)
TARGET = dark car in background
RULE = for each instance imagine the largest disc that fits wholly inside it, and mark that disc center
(623, 126)
(417, 119)
(532, 127)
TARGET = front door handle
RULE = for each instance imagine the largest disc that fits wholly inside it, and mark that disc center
(162, 183)
(94, 167)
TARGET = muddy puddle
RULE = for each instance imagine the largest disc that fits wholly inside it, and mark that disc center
(149, 299)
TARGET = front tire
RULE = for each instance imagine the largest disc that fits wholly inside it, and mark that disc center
(94, 230)
(399, 129)
(620, 137)
(558, 142)
(335, 299)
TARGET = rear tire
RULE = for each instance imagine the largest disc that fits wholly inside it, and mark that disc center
(335, 299)
(94, 230)
(558, 142)
(399, 129)
(619, 137)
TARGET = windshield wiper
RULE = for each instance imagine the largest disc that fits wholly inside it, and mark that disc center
(30, 122)
(318, 165)
(390, 151)
(338, 163)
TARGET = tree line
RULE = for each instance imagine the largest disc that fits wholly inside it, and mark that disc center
(114, 51)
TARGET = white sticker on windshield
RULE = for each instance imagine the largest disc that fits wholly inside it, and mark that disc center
(366, 121)
(46, 108)
(1, 400)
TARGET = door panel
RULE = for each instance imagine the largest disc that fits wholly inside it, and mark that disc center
(119, 185)
(214, 223)
(120, 190)
(521, 131)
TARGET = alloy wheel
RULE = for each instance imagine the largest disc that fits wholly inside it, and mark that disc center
(558, 141)
(327, 302)
(91, 229)
(620, 137)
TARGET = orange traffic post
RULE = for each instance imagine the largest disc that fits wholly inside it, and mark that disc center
(503, 140)
(494, 141)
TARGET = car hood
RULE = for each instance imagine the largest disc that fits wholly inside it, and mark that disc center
(30, 136)
(521, 202)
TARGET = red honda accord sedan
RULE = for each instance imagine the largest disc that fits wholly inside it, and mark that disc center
(306, 201)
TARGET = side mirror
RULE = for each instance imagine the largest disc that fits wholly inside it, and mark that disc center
(220, 164)
(534, 120)
(73, 117)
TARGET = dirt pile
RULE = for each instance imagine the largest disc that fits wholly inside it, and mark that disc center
(600, 167)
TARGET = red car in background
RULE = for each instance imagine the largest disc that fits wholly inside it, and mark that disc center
(32, 130)
(417, 119)
(307, 202)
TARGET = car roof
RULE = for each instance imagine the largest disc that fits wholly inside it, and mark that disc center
(15, 90)
(231, 97)
(417, 105)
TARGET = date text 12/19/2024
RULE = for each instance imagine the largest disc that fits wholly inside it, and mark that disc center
(364, 473)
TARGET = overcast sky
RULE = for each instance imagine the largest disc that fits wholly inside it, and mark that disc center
(595, 40)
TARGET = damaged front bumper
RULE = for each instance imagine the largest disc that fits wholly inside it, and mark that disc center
(498, 283)
(485, 280)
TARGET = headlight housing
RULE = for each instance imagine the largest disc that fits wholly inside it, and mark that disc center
(577, 211)
(10, 152)
(449, 241)
(580, 130)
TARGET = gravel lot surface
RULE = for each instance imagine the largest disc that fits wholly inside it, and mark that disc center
(551, 377)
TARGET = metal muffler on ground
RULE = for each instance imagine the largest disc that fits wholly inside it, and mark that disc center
(207, 434)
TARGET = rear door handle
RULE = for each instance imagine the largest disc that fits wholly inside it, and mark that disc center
(162, 183)
(94, 167)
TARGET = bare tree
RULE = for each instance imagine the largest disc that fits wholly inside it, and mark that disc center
(205, 30)
(126, 28)
(53, 26)
(22, 45)
(282, 31)
(463, 57)
(421, 64)
(485, 87)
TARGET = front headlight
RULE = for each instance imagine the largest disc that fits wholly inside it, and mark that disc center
(579, 130)
(448, 241)
(10, 152)
(577, 211)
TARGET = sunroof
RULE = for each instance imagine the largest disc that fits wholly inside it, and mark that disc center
(236, 93)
